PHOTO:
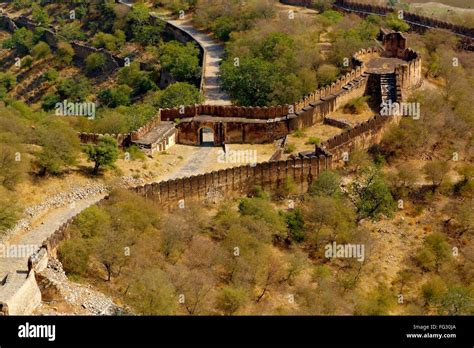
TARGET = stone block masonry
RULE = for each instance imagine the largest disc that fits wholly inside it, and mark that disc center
(237, 181)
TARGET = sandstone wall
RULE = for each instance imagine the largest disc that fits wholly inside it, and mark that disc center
(235, 181)
(123, 140)
(20, 295)
(362, 136)
(411, 18)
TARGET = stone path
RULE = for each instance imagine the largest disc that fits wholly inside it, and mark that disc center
(41, 230)
(214, 52)
(194, 164)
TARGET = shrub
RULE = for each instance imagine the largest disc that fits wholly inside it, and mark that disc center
(95, 63)
(41, 50)
(356, 105)
(289, 148)
(313, 141)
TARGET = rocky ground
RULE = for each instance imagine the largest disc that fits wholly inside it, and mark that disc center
(59, 200)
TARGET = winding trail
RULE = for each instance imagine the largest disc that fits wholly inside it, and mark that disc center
(213, 53)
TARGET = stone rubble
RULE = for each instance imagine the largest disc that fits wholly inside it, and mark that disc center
(82, 297)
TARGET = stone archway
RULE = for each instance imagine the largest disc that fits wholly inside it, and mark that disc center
(206, 136)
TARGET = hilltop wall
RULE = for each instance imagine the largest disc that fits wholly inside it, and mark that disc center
(236, 181)
(419, 22)
(362, 136)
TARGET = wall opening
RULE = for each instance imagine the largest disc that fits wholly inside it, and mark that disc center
(206, 137)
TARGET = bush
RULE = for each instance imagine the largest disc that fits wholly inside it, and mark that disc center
(180, 93)
(7, 80)
(50, 101)
(41, 50)
(51, 75)
(64, 53)
(356, 105)
(298, 133)
(104, 154)
(95, 63)
(22, 40)
(113, 97)
(313, 141)
(290, 148)
(182, 61)
(75, 89)
(27, 62)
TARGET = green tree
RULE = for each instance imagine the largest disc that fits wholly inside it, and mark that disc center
(75, 256)
(180, 93)
(41, 50)
(230, 300)
(7, 81)
(140, 28)
(64, 53)
(95, 63)
(328, 184)
(327, 74)
(22, 40)
(108, 41)
(373, 195)
(378, 302)
(40, 16)
(182, 61)
(136, 79)
(152, 293)
(328, 219)
(74, 89)
(92, 222)
(250, 82)
(113, 97)
(435, 251)
(104, 154)
(395, 23)
(10, 210)
(72, 31)
(60, 146)
(436, 172)
(12, 167)
(295, 223)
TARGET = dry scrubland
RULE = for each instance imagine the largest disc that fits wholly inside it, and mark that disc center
(256, 254)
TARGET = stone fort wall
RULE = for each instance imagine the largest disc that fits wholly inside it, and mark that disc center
(236, 181)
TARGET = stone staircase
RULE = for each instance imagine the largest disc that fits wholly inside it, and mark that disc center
(388, 88)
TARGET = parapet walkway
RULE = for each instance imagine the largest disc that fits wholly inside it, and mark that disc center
(214, 52)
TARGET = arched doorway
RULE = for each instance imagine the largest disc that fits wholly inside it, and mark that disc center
(206, 136)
